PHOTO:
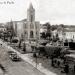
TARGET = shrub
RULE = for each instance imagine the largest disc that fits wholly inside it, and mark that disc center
(53, 51)
(14, 41)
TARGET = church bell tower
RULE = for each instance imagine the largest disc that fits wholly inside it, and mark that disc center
(31, 14)
(31, 29)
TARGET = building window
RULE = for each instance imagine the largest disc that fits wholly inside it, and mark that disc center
(31, 18)
(73, 36)
(36, 33)
(31, 26)
(31, 34)
(4, 29)
(25, 25)
(36, 26)
(26, 34)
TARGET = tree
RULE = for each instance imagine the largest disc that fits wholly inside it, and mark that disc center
(24, 47)
(20, 43)
(48, 33)
(10, 29)
(62, 25)
(43, 35)
(5, 35)
(57, 36)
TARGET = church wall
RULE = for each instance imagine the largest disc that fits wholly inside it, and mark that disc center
(19, 29)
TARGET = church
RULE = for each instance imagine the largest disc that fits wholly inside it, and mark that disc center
(30, 27)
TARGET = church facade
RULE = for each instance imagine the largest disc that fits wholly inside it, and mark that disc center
(30, 26)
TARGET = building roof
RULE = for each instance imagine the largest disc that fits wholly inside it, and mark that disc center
(24, 20)
(31, 6)
(66, 29)
(69, 29)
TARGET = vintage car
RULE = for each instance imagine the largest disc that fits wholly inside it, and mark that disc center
(13, 56)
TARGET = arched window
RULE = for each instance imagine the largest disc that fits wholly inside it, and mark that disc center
(31, 34)
(31, 18)
(25, 25)
(26, 34)
(31, 26)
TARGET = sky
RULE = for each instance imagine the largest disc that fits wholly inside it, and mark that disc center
(53, 11)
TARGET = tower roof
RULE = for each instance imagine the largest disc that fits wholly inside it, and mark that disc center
(31, 6)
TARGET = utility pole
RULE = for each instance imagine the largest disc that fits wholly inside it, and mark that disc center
(24, 44)
(36, 50)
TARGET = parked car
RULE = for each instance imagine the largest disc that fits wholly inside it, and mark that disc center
(13, 56)
(11, 52)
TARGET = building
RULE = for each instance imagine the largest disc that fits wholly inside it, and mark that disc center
(69, 34)
(3, 29)
(15, 27)
(10, 28)
(31, 27)
(20, 29)
(28, 29)
(66, 33)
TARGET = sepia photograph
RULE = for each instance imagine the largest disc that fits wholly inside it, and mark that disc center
(37, 37)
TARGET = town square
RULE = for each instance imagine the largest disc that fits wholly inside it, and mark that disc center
(30, 47)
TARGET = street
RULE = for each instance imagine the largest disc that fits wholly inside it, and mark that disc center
(18, 67)
(28, 64)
